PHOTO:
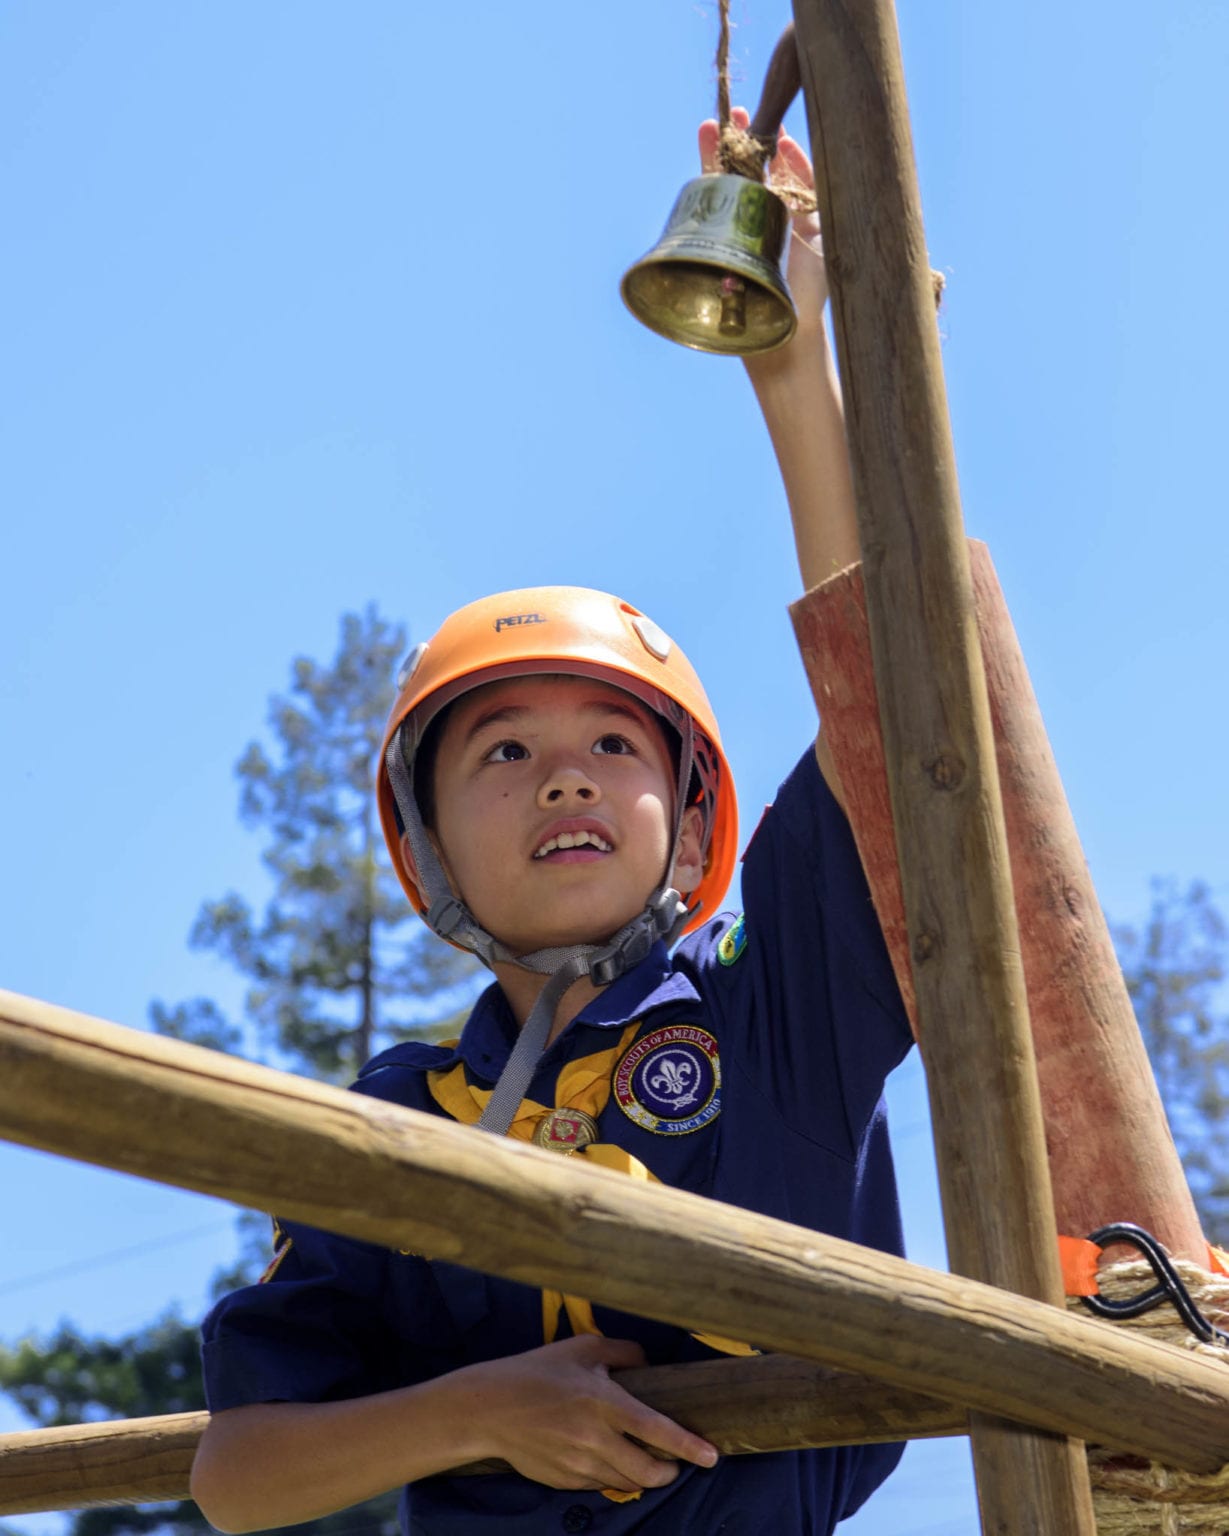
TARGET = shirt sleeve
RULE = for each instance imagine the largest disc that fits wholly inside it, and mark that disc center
(315, 1331)
(824, 1019)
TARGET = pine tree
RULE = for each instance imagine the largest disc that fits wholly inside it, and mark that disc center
(1174, 965)
(337, 963)
(337, 966)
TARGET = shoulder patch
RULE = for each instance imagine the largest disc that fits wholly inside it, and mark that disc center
(669, 1081)
(733, 941)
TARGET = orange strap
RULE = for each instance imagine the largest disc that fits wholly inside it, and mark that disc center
(1079, 1258)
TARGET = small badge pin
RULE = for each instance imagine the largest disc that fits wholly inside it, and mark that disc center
(566, 1130)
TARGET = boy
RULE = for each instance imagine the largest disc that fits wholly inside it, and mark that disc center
(556, 799)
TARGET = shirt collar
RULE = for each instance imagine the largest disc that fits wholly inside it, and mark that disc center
(490, 1031)
(651, 984)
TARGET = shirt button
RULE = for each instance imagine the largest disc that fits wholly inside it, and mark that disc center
(577, 1518)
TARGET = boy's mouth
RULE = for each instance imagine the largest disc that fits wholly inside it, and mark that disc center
(571, 847)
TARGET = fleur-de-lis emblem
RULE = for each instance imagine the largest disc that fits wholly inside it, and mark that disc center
(676, 1080)
(669, 1081)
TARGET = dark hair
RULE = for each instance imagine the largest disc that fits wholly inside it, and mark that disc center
(424, 766)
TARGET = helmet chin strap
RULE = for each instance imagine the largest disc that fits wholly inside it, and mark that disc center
(447, 915)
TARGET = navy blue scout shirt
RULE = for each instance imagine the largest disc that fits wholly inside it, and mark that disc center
(754, 1077)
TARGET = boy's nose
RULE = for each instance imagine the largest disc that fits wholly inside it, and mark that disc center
(567, 781)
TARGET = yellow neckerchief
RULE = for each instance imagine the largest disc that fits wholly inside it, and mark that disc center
(583, 1084)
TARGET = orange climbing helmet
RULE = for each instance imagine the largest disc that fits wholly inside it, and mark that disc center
(581, 632)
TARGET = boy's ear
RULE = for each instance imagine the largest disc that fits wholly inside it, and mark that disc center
(411, 869)
(689, 861)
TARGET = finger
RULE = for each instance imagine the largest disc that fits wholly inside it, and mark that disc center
(710, 138)
(589, 1471)
(794, 160)
(710, 135)
(614, 1354)
(621, 1483)
(637, 1469)
(603, 1458)
(663, 1434)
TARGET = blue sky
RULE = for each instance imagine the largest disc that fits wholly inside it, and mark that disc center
(306, 305)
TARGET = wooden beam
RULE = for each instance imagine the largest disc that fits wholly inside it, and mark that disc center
(205, 1121)
(950, 838)
(1110, 1152)
(771, 1403)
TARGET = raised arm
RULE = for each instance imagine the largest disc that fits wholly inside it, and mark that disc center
(800, 397)
(799, 393)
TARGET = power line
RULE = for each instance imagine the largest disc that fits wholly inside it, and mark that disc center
(116, 1256)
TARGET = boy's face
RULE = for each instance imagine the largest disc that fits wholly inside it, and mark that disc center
(529, 764)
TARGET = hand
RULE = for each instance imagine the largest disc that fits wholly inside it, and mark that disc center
(790, 167)
(557, 1417)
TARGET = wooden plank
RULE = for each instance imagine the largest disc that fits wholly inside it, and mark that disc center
(950, 837)
(1110, 1152)
(771, 1403)
(201, 1120)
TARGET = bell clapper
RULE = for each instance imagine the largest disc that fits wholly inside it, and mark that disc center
(733, 320)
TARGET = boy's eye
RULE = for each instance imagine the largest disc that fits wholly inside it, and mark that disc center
(612, 745)
(506, 752)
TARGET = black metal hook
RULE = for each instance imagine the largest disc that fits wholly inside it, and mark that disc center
(1169, 1288)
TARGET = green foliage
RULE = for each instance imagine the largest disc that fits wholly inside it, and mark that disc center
(336, 962)
(1174, 967)
(337, 967)
(68, 1378)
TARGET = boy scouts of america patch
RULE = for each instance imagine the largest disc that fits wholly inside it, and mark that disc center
(733, 941)
(669, 1082)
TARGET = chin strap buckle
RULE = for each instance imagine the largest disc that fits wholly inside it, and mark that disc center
(669, 913)
(663, 918)
(451, 919)
(446, 915)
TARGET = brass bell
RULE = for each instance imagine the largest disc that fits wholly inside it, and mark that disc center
(713, 281)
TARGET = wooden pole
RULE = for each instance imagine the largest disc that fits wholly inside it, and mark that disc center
(770, 1403)
(950, 838)
(88, 1466)
(205, 1121)
(1110, 1152)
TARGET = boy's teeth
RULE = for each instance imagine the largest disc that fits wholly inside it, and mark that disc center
(573, 840)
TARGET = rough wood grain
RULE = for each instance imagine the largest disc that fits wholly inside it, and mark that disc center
(1110, 1152)
(950, 838)
(85, 1466)
(201, 1120)
(772, 1403)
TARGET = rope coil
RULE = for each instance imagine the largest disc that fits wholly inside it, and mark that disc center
(1134, 1497)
